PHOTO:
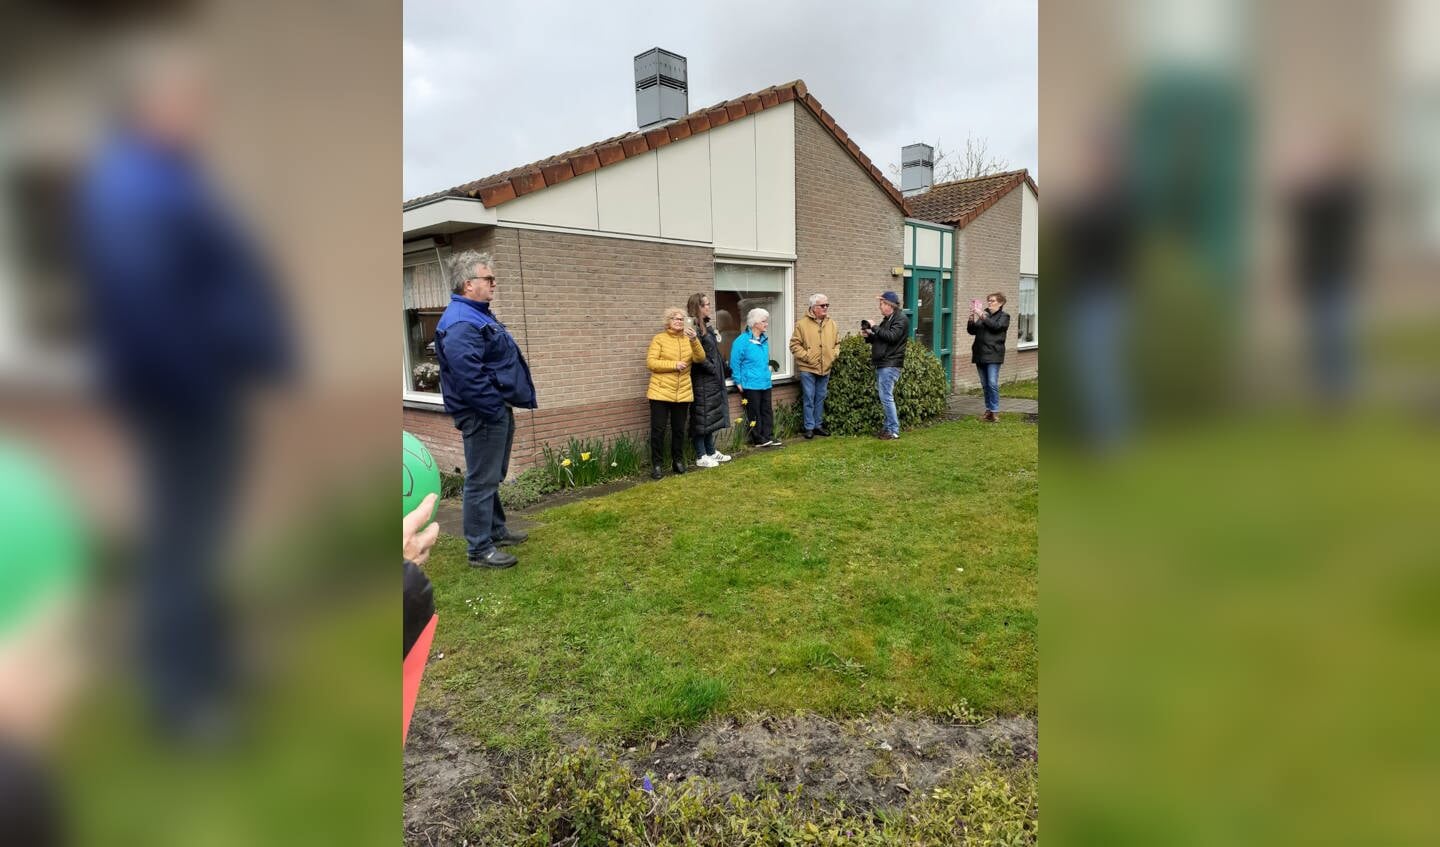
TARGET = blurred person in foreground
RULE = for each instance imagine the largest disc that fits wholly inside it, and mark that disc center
(989, 326)
(1096, 236)
(483, 378)
(887, 342)
(418, 620)
(187, 322)
(42, 566)
(1326, 202)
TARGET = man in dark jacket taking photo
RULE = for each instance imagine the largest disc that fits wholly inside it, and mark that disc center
(887, 352)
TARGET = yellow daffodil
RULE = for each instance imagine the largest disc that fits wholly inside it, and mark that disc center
(744, 402)
(737, 420)
(584, 457)
(752, 423)
(614, 464)
(565, 463)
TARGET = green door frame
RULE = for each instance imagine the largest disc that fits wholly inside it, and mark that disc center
(942, 345)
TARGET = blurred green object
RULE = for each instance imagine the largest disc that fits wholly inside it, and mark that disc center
(43, 551)
(419, 475)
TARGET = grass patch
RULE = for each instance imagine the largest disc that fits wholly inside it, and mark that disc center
(1028, 389)
(825, 577)
(588, 798)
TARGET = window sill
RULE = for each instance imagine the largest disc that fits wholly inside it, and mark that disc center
(1022, 347)
(422, 402)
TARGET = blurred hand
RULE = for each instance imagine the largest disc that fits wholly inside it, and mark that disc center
(689, 333)
(681, 366)
(417, 543)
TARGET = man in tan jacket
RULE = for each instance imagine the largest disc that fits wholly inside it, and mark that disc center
(815, 344)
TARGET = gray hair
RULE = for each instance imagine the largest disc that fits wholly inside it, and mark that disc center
(461, 267)
(756, 316)
(816, 298)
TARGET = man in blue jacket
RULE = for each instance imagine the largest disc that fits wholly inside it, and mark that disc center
(483, 376)
(188, 322)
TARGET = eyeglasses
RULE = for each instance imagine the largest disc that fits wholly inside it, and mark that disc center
(489, 279)
(822, 305)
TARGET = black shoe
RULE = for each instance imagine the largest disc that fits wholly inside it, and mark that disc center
(809, 434)
(496, 559)
(511, 537)
(656, 473)
(822, 431)
(678, 466)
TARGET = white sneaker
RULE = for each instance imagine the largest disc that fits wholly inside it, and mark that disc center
(720, 457)
(706, 462)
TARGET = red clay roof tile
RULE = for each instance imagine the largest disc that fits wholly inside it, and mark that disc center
(503, 187)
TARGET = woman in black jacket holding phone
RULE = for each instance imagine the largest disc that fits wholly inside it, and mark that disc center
(988, 351)
(707, 380)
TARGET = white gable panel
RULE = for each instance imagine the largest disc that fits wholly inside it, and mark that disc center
(628, 195)
(927, 248)
(570, 203)
(685, 189)
(1029, 232)
(732, 184)
(775, 179)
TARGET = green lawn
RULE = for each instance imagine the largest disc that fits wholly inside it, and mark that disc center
(826, 576)
(1028, 389)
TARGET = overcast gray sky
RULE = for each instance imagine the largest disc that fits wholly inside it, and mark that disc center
(493, 85)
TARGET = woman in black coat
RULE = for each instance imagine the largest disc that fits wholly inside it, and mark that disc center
(988, 352)
(711, 405)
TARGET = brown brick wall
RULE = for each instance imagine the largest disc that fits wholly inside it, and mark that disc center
(987, 257)
(848, 234)
(583, 308)
(536, 428)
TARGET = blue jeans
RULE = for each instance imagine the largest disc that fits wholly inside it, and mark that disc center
(1098, 353)
(990, 382)
(885, 379)
(487, 461)
(193, 466)
(704, 444)
(813, 389)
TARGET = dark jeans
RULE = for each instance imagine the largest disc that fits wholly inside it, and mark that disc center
(990, 384)
(757, 409)
(191, 468)
(676, 414)
(704, 444)
(487, 461)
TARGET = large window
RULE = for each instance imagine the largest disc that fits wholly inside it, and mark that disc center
(1027, 313)
(740, 287)
(426, 296)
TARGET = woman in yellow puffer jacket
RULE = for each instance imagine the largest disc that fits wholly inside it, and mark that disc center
(669, 358)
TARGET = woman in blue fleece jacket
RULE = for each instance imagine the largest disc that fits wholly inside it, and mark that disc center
(750, 368)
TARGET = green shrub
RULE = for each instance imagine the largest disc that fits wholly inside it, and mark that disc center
(853, 405)
(589, 798)
(789, 419)
(527, 488)
(923, 392)
(451, 484)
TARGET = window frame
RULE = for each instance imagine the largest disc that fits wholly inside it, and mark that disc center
(1035, 285)
(413, 258)
(787, 295)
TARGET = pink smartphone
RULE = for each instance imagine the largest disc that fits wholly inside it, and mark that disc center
(977, 306)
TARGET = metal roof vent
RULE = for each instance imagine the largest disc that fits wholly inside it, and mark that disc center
(917, 168)
(662, 91)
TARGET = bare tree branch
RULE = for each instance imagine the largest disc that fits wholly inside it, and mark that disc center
(973, 160)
